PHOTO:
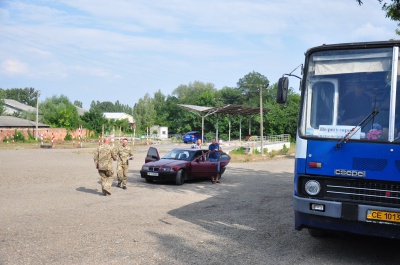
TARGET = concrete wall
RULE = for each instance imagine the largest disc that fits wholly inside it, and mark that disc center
(59, 133)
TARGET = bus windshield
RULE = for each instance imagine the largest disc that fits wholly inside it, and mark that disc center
(343, 87)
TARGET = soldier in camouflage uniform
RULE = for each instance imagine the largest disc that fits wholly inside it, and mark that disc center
(103, 159)
(124, 153)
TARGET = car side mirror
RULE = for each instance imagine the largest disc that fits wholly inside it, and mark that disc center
(283, 85)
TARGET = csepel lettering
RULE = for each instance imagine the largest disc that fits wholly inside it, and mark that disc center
(350, 173)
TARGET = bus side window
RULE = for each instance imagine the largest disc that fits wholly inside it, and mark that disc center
(322, 104)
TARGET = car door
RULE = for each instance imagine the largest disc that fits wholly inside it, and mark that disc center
(202, 167)
(152, 155)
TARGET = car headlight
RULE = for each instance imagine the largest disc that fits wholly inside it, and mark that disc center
(167, 169)
(145, 168)
(312, 187)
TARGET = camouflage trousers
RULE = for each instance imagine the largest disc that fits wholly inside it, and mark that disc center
(107, 178)
(122, 173)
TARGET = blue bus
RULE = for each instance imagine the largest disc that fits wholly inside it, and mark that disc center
(347, 167)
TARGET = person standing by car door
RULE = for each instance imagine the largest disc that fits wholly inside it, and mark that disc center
(124, 154)
(214, 150)
(197, 145)
(103, 159)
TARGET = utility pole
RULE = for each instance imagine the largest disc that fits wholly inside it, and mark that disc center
(261, 119)
(37, 114)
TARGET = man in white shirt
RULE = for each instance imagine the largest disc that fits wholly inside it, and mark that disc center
(197, 145)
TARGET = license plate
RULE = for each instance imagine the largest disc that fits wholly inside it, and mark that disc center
(383, 216)
(152, 174)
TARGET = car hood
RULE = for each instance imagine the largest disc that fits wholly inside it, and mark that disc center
(166, 162)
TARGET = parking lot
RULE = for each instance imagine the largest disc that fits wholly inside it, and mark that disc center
(52, 212)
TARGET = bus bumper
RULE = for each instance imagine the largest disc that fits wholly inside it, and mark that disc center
(345, 217)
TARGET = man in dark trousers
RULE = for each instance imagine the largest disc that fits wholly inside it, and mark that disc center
(214, 150)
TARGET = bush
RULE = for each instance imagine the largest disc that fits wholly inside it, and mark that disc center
(284, 150)
(30, 136)
(272, 154)
(68, 137)
(239, 151)
(5, 139)
(18, 137)
(223, 136)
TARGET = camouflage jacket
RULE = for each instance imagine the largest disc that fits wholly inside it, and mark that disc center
(104, 156)
(123, 153)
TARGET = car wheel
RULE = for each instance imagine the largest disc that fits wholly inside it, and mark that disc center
(149, 180)
(180, 178)
(316, 232)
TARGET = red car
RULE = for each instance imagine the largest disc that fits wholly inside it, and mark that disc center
(181, 164)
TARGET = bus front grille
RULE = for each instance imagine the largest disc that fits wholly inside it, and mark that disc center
(362, 191)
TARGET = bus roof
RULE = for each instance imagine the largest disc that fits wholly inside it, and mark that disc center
(354, 45)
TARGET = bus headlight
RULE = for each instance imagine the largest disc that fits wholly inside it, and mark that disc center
(312, 187)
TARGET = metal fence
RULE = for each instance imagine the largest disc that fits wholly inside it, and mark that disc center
(271, 138)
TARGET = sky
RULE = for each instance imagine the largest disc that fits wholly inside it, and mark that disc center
(102, 50)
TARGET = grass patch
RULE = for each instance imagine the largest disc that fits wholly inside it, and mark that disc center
(238, 156)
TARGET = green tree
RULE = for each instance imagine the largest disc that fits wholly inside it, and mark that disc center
(118, 107)
(249, 86)
(26, 96)
(94, 120)
(105, 106)
(2, 107)
(160, 108)
(144, 113)
(231, 95)
(59, 112)
(189, 94)
(78, 103)
(28, 115)
(282, 119)
(108, 106)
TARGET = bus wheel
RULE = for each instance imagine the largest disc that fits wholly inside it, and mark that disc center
(316, 232)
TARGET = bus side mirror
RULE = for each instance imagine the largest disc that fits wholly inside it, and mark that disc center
(283, 85)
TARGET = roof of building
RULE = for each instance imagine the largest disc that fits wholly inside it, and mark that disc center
(18, 105)
(118, 115)
(80, 110)
(226, 109)
(11, 121)
(113, 115)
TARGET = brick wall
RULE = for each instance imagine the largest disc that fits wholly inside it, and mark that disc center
(59, 133)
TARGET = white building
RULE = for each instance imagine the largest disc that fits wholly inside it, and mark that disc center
(162, 131)
(119, 116)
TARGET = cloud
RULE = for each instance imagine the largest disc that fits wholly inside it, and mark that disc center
(14, 67)
(159, 44)
(366, 30)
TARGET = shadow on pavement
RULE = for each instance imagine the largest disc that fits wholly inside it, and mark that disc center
(249, 220)
(92, 191)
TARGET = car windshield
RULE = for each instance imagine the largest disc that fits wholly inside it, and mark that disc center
(179, 155)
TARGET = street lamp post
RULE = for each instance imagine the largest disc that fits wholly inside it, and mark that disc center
(37, 114)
